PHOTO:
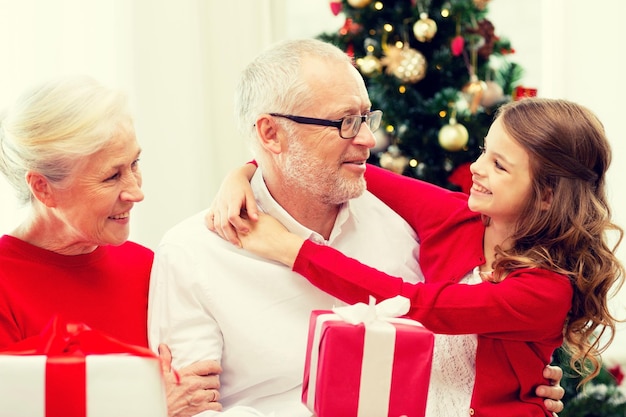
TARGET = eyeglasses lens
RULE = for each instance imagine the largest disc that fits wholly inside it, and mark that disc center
(352, 124)
(374, 119)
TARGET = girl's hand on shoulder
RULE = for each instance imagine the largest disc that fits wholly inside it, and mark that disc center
(268, 238)
(233, 199)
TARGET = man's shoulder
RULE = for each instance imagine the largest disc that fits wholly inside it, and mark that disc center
(368, 204)
(191, 228)
(370, 209)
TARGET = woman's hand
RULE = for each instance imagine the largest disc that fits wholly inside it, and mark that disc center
(234, 198)
(191, 390)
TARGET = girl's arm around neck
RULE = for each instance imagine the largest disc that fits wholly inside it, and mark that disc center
(268, 238)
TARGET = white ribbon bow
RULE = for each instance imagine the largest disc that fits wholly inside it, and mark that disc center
(369, 313)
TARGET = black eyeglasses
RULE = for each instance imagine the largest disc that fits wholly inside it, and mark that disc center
(348, 126)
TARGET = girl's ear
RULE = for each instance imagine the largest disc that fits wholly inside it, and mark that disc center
(41, 189)
(546, 199)
(267, 132)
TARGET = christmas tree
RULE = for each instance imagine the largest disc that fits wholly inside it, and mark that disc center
(438, 72)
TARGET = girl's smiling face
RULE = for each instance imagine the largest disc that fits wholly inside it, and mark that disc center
(501, 177)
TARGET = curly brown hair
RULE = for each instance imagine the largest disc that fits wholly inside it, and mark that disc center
(569, 156)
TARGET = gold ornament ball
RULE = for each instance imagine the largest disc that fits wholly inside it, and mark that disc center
(453, 136)
(369, 65)
(474, 91)
(359, 4)
(475, 87)
(393, 160)
(425, 28)
(412, 66)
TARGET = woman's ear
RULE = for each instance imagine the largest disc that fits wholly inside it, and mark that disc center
(41, 189)
(267, 132)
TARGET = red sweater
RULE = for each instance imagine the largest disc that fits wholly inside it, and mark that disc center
(106, 289)
(519, 321)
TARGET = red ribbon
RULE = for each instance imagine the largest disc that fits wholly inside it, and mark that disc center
(66, 345)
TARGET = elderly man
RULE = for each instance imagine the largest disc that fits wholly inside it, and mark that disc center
(307, 112)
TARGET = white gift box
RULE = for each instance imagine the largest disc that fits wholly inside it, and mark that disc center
(116, 386)
(82, 373)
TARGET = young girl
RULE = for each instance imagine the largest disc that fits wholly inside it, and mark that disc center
(520, 266)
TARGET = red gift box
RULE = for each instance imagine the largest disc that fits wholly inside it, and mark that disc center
(71, 370)
(378, 367)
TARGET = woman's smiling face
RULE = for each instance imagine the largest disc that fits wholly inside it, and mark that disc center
(94, 205)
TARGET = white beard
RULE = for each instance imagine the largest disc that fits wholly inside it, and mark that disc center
(322, 180)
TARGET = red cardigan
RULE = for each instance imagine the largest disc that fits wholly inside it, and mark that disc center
(519, 321)
(106, 289)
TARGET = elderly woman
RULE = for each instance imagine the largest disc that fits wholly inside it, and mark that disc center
(69, 149)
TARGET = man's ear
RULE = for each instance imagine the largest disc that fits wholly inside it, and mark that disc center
(41, 189)
(267, 132)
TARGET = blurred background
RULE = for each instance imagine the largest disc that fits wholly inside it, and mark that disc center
(178, 61)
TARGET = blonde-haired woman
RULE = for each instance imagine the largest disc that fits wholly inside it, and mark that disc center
(69, 150)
